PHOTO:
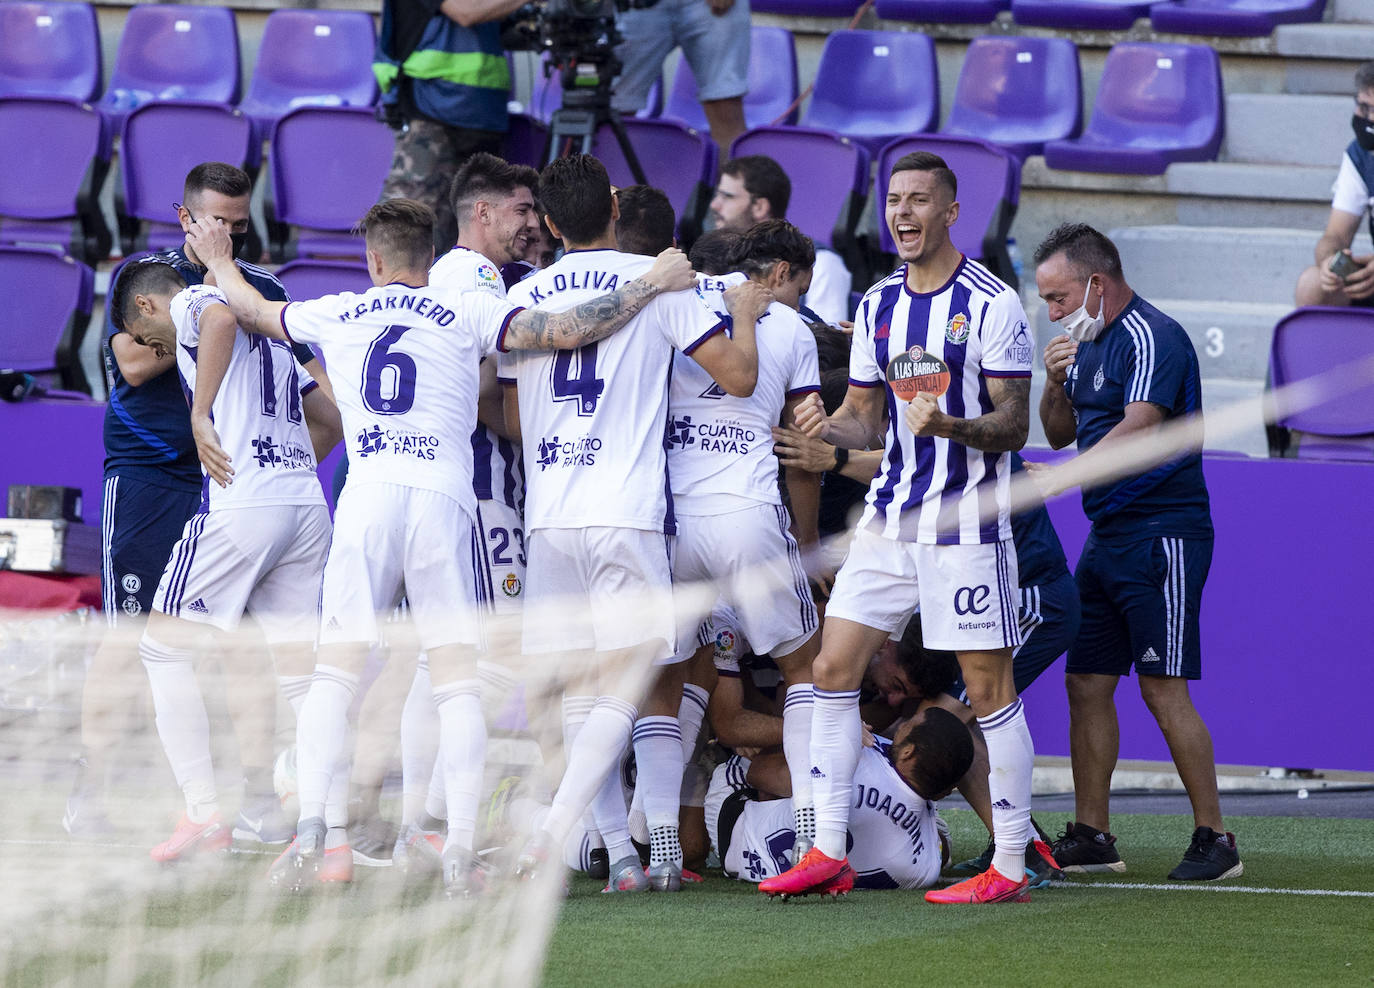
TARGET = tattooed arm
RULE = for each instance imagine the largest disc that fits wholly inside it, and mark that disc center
(1001, 430)
(534, 329)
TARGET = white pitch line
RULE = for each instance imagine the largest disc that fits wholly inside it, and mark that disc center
(1345, 893)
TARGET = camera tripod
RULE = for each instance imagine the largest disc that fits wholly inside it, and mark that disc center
(585, 108)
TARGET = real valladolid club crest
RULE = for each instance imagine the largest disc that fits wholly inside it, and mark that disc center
(957, 329)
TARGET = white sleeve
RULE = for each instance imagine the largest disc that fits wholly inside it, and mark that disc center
(466, 271)
(686, 319)
(1006, 338)
(187, 307)
(490, 315)
(1348, 193)
(864, 371)
(806, 372)
(828, 295)
(308, 321)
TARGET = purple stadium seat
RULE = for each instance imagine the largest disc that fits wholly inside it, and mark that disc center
(1338, 342)
(160, 143)
(1234, 17)
(989, 180)
(311, 58)
(806, 8)
(1018, 92)
(675, 158)
(1155, 104)
(772, 83)
(829, 176)
(48, 300)
(327, 166)
(1085, 15)
(308, 278)
(172, 52)
(50, 188)
(941, 11)
(873, 86)
(49, 49)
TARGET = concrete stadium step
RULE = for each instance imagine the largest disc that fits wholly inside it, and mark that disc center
(1325, 40)
(1233, 264)
(1282, 128)
(1353, 11)
(1247, 435)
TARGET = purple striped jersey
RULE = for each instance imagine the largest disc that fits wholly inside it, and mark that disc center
(933, 490)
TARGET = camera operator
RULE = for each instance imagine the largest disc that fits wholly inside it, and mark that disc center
(714, 37)
(445, 83)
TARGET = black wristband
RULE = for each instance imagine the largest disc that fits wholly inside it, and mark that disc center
(841, 458)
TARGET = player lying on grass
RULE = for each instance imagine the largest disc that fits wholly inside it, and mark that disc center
(892, 840)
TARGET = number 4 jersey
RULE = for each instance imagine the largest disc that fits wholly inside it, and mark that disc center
(256, 412)
(403, 362)
(592, 420)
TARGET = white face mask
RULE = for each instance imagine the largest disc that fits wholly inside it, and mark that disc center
(1081, 327)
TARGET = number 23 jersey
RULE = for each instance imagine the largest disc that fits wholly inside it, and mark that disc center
(403, 362)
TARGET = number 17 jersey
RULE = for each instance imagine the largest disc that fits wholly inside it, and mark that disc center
(403, 362)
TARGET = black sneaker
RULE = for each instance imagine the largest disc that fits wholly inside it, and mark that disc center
(978, 865)
(373, 840)
(598, 864)
(1083, 849)
(1041, 867)
(1210, 857)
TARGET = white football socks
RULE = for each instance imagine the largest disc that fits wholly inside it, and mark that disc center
(419, 745)
(1011, 758)
(835, 741)
(658, 758)
(182, 724)
(463, 747)
(797, 711)
(294, 688)
(593, 756)
(321, 730)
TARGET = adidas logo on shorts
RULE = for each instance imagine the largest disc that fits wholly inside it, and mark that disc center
(198, 606)
(1149, 655)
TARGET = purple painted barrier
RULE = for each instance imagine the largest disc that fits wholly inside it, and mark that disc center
(55, 442)
(1286, 658)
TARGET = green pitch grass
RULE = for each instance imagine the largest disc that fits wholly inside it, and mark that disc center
(1091, 931)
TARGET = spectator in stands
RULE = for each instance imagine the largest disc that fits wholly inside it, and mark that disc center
(1338, 277)
(444, 82)
(714, 37)
(754, 188)
(1119, 371)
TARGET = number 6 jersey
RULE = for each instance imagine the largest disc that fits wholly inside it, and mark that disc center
(403, 362)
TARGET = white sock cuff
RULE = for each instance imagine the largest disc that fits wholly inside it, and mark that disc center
(801, 694)
(1000, 720)
(622, 708)
(152, 650)
(457, 688)
(696, 696)
(337, 676)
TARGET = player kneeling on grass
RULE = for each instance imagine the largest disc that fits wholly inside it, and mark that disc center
(893, 838)
(259, 541)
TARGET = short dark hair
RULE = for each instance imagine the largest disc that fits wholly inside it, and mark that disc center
(832, 351)
(147, 277)
(931, 670)
(834, 386)
(1087, 250)
(766, 243)
(763, 178)
(401, 230)
(576, 192)
(1364, 77)
(716, 251)
(943, 750)
(216, 176)
(928, 161)
(647, 220)
(484, 175)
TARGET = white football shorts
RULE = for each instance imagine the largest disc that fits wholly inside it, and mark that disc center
(967, 594)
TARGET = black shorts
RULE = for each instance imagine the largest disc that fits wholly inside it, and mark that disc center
(1141, 604)
(139, 525)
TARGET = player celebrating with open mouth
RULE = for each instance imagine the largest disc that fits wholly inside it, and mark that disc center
(951, 342)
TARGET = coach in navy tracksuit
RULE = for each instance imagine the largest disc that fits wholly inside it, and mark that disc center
(1121, 370)
(153, 485)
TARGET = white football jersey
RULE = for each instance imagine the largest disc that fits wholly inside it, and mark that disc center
(497, 471)
(403, 362)
(257, 412)
(893, 841)
(593, 419)
(720, 447)
(932, 490)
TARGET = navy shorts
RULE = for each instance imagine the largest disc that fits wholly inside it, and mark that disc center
(1141, 603)
(139, 525)
(1048, 615)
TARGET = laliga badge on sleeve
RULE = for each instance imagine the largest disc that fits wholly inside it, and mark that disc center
(915, 372)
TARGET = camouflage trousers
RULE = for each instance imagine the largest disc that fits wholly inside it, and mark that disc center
(428, 154)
